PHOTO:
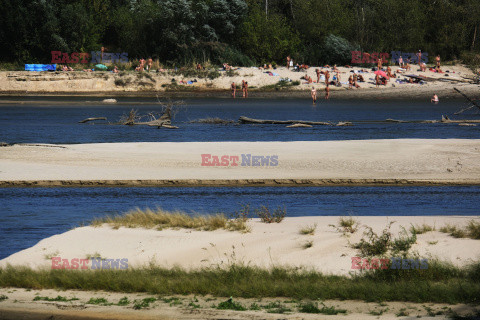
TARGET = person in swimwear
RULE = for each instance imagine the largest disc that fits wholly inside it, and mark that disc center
(314, 95)
(234, 89)
(327, 92)
(434, 99)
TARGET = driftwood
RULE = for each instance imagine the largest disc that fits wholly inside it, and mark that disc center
(135, 120)
(245, 120)
(92, 119)
(447, 120)
(299, 125)
(472, 103)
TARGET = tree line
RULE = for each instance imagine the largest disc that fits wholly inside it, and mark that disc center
(239, 32)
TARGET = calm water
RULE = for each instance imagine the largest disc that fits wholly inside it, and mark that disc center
(29, 215)
(57, 121)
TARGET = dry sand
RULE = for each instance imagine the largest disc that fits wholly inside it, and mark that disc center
(25, 82)
(266, 245)
(421, 161)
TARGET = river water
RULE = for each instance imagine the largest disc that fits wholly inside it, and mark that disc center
(28, 215)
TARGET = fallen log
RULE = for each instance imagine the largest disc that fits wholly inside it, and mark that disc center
(92, 119)
(472, 102)
(299, 125)
(246, 120)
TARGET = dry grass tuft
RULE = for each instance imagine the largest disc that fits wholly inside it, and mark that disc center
(308, 229)
(471, 230)
(161, 219)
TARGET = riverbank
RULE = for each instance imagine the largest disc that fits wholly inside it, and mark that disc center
(20, 305)
(310, 163)
(262, 84)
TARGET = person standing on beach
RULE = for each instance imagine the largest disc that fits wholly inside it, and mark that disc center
(327, 77)
(327, 92)
(243, 88)
(234, 89)
(314, 95)
(246, 89)
(437, 60)
(149, 64)
(318, 75)
(288, 62)
(419, 57)
(377, 80)
(400, 62)
(379, 63)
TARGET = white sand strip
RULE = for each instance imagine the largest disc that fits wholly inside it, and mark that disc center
(454, 160)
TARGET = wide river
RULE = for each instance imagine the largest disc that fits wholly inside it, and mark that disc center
(28, 215)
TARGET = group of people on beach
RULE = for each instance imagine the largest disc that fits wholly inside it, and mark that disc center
(144, 65)
(244, 89)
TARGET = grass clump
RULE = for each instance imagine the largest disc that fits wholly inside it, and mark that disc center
(99, 301)
(471, 230)
(310, 230)
(161, 219)
(230, 305)
(268, 216)
(421, 229)
(276, 307)
(144, 303)
(311, 307)
(57, 298)
(346, 225)
(123, 302)
(307, 244)
(3, 297)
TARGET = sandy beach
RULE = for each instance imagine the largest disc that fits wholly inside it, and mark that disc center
(266, 245)
(413, 161)
(103, 83)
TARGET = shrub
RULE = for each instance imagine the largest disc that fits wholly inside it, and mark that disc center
(231, 305)
(267, 216)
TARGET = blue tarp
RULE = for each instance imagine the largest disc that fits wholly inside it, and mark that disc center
(40, 67)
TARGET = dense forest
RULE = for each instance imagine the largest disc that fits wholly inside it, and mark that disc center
(240, 32)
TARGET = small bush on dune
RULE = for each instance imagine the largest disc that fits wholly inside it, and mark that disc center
(269, 216)
(346, 225)
(471, 230)
(309, 229)
(421, 229)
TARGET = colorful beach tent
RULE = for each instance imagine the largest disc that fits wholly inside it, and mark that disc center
(40, 67)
